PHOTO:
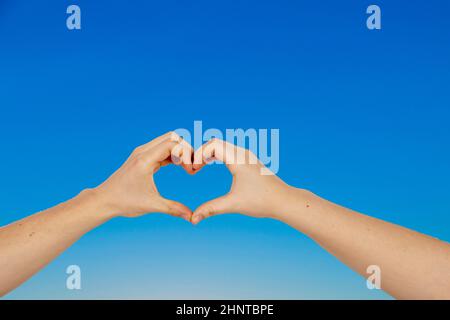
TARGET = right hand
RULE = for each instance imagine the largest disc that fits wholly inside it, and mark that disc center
(252, 193)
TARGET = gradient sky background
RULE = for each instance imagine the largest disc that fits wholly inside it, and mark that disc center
(363, 118)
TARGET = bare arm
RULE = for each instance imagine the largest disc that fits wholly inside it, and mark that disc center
(413, 265)
(28, 245)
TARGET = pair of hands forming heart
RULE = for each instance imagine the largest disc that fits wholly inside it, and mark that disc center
(131, 190)
(353, 238)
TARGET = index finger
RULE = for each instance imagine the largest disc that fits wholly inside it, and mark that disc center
(160, 152)
(214, 149)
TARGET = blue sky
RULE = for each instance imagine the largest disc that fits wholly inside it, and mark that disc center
(363, 118)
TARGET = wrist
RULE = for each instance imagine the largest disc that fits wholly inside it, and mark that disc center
(98, 202)
(293, 201)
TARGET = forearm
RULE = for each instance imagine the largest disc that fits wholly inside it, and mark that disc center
(28, 245)
(412, 265)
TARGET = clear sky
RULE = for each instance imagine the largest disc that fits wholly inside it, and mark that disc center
(363, 118)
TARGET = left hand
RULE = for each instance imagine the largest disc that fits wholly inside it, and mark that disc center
(131, 190)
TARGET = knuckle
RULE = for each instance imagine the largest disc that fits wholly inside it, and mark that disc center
(168, 208)
(139, 161)
(173, 136)
(186, 145)
(177, 148)
(209, 211)
(137, 150)
(171, 208)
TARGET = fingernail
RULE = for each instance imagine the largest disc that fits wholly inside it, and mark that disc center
(196, 219)
(175, 159)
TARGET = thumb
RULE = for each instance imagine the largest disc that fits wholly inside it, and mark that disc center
(211, 208)
(174, 208)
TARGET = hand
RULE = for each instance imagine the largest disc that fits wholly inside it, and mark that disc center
(253, 192)
(131, 190)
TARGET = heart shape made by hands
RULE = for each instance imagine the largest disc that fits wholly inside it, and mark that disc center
(252, 184)
(131, 191)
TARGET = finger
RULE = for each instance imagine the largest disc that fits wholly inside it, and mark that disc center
(165, 163)
(174, 208)
(182, 155)
(160, 153)
(159, 165)
(186, 157)
(215, 150)
(171, 135)
(205, 154)
(214, 207)
(198, 163)
(176, 153)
